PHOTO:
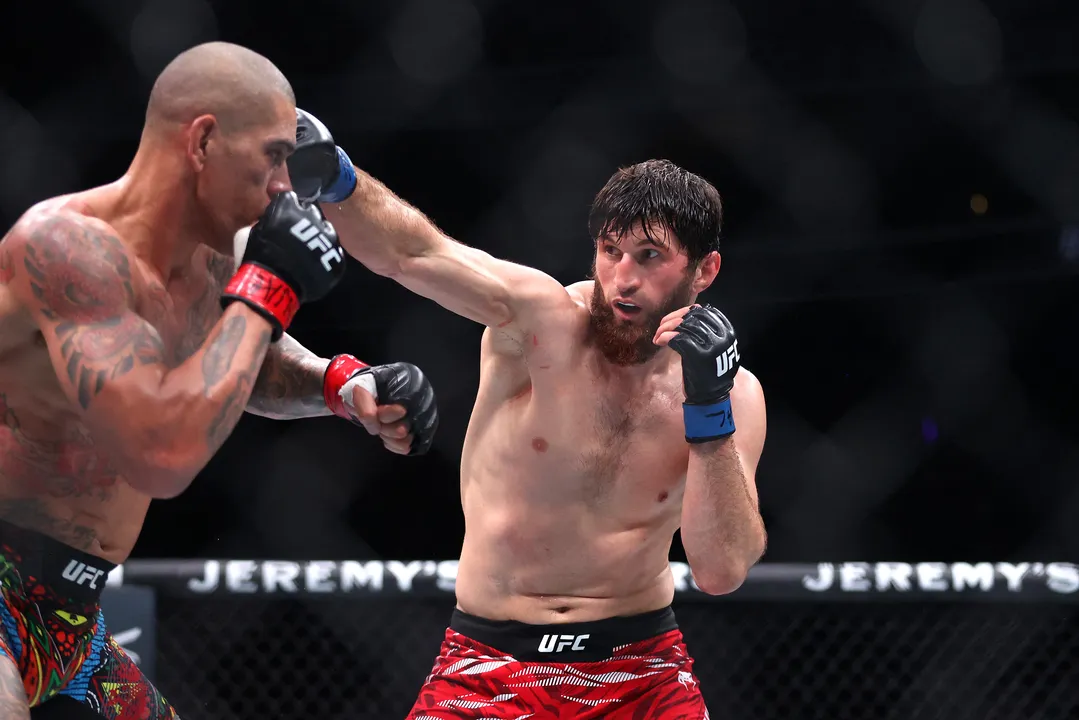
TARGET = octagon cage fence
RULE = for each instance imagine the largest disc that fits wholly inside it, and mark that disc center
(250, 639)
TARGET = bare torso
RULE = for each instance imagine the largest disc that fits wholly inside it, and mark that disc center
(572, 478)
(52, 477)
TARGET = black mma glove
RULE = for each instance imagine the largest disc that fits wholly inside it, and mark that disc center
(292, 257)
(319, 170)
(398, 383)
(710, 360)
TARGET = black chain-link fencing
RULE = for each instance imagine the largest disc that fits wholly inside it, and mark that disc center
(258, 657)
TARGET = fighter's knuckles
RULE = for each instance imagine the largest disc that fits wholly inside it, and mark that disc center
(366, 420)
(678, 343)
(664, 337)
(394, 430)
(689, 324)
(715, 318)
(390, 414)
(400, 446)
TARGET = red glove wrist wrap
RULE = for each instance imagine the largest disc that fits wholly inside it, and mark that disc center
(338, 372)
(262, 288)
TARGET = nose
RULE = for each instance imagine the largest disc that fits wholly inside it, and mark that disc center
(627, 276)
(279, 181)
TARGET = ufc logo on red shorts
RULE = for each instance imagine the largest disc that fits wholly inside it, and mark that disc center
(558, 643)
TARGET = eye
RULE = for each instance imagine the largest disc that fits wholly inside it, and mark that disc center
(610, 250)
(277, 157)
(649, 255)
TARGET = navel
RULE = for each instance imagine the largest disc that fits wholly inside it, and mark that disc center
(663, 496)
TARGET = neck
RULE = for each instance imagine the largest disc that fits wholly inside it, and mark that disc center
(658, 364)
(156, 211)
(638, 372)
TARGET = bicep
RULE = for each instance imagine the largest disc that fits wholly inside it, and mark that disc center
(76, 279)
(502, 295)
(95, 359)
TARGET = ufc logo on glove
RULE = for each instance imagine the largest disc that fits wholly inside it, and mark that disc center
(306, 232)
(727, 359)
(705, 341)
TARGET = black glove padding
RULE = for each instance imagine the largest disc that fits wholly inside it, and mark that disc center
(710, 361)
(292, 257)
(318, 169)
(404, 384)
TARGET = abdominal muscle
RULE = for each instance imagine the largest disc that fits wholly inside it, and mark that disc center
(563, 562)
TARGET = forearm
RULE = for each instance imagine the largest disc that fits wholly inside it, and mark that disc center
(289, 386)
(722, 530)
(380, 229)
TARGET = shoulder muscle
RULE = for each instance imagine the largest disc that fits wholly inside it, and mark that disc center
(76, 279)
(66, 266)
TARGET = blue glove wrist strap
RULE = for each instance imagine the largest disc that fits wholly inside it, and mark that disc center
(708, 422)
(344, 184)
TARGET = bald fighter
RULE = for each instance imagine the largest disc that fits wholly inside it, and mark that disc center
(130, 345)
(610, 414)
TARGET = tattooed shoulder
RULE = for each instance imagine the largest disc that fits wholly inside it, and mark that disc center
(75, 267)
(76, 276)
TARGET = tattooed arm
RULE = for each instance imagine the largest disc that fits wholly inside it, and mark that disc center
(289, 385)
(160, 426)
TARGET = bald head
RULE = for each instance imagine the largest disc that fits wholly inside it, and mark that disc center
(236, 85)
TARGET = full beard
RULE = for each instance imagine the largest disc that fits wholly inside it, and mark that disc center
(625, 344)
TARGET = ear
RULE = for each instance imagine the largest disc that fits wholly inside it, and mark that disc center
(706, 271)
(200, 134)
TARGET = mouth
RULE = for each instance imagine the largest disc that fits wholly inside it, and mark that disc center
(626, 309)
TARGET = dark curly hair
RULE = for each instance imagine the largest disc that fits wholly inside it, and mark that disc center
(658, 192)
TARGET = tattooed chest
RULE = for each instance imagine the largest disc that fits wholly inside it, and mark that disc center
(183, 318)
(184, 333)
(52, 459)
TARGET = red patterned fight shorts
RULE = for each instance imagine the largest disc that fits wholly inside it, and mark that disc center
(512, 671)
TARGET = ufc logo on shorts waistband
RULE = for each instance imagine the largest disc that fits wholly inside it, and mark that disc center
(558, 643)
(727, 358)
(308, 233)
(82, 574)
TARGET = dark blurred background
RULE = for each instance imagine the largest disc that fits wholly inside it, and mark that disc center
(901, 182)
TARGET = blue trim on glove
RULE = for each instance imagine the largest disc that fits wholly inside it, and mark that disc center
(708, 422)
(344, 184)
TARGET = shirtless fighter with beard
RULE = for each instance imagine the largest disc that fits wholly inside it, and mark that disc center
(605, 420)
(130, 345)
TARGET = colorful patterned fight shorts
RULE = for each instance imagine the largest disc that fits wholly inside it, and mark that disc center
(623, 668)
(51, 628)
